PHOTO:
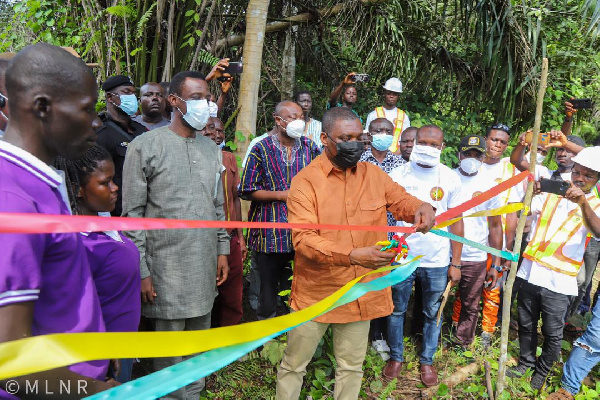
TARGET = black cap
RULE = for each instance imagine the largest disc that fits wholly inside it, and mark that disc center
(115, 81)
(472, 142)
(576, 139)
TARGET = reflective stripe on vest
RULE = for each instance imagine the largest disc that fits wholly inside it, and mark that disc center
(546, 248)
(397, 126)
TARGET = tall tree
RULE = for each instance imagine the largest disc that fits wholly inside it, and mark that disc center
(256, 20)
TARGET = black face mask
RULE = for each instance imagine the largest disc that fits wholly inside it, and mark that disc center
(348, 153)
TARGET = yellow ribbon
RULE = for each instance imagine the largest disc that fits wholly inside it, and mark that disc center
(41, 353)
(507, 209)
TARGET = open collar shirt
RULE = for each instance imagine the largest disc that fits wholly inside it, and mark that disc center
(323, 194)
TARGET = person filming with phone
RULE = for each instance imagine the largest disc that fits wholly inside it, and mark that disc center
(566, 213)
(346, 92)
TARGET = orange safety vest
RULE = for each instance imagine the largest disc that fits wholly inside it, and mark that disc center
(397, 128)
(546, 248)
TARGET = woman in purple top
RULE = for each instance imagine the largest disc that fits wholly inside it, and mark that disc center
(113, 258)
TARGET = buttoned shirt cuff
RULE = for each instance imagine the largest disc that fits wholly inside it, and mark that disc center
(144, 271)
(223, 248)
(342, 259)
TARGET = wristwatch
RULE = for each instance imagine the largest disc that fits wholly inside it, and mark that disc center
(497, 267)
(456, 266)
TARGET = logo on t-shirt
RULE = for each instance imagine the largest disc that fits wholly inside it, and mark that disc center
(498, 180)
(476, 194)
(436, 193)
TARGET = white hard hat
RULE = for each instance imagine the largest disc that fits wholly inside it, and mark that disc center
(589, 158)
(393, 85)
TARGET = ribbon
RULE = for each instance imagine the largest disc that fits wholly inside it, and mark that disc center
(507, 209)
(44, 223)
(172, 378)
(40, 353)
(495, 252)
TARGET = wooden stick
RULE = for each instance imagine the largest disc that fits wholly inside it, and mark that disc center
(488, 379)
(456, 378)
(444, 301)
(519, 236)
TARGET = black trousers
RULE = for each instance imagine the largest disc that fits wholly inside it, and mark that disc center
(274, 270)
(535, 301)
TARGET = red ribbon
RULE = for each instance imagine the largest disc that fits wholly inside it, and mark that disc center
(45, 223)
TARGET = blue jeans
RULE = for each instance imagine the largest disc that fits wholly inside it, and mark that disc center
(584, 357)
(433, 281)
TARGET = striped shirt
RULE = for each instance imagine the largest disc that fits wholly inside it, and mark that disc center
(390, 162)
(313, 131)
(267, 168)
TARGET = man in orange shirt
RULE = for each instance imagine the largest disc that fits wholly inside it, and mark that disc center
(326, 260)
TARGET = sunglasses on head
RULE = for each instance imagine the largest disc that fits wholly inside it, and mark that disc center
(501, 127)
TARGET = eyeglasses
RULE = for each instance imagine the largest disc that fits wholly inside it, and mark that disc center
(501, 127)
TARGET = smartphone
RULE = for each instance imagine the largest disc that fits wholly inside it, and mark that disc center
(543, 138)
(360, 78)
(554, 186)
(234, 68)
(581, 104)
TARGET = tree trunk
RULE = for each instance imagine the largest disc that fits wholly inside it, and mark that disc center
(288, 57)
(170, 57)
(256, 20)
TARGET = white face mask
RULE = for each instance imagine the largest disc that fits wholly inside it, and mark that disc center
(213, 109)
(470, 165)
(539, 158)
(295, 129)
(197, 113)
(425, 155)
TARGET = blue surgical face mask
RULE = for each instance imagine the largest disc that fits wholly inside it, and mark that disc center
(382, 141)
(129, 104)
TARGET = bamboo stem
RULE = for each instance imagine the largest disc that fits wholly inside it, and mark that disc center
(519, 236)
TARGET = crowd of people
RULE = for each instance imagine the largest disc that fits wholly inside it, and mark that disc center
(164, 156)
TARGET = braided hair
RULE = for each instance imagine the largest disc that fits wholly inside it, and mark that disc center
(77, 173)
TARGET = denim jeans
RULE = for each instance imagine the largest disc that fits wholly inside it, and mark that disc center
(586, 273)
(433, 281)
(584, 357)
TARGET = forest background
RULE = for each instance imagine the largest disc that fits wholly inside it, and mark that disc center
(464, 63)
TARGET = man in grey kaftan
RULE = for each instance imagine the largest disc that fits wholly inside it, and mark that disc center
(172, 172)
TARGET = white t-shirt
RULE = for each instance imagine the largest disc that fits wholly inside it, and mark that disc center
(440, 187)
(251, 145)
(391, 116)
(540, 172)
(539, 275)
(476, 229)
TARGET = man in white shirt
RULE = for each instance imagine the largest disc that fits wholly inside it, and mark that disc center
(553, 257)
(483, 230)
(398, 117)
(428, 180)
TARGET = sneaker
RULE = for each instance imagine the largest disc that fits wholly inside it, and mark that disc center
(537, 381)
(486, 339)
(517, 371)
(562, 394)
(380, 346)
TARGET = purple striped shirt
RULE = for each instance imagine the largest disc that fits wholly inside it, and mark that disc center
(268, 169)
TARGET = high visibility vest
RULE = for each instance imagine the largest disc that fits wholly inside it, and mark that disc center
(546, 248)
(397, 126)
